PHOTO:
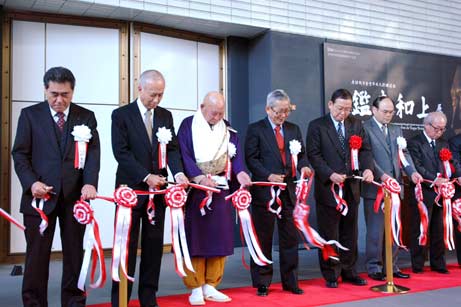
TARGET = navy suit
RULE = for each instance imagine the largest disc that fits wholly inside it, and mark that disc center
(428, 164)
(136, 159)
(41, 152)
(263, 158)
(327, 156)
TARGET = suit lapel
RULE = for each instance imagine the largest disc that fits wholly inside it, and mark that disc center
(333, 134)
(378, 133)
(72, 120)
(138, 124)
(288, 135)
(269, 135)
(158, 123)
(48, 126)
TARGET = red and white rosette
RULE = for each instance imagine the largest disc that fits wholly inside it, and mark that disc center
(126, 199)
(82, 135)
(241, 200)
(175, 198)
(231, 152)
(355, 143)
(301, 220)
(402, 145)
(11, 219)
(446, 156)
(84, 214)
(456, 211)
(164, 136)
(274, 205)
(150, 210)
(38, 204)
(423, 214)
(447, 191)
(341, 204)
(295, 149)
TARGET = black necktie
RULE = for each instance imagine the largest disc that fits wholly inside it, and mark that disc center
(341, 135)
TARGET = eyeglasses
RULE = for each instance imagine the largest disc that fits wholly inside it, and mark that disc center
(438, 129)
(285, 112)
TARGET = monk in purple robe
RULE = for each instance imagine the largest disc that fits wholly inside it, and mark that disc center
(208, 144)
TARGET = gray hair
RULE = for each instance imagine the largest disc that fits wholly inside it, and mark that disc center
(275, 96)
(150, 75)
(429, 119)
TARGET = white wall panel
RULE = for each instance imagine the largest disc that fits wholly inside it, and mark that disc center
(28, 66)
(92, 54)
(208, 69)
(176, 59)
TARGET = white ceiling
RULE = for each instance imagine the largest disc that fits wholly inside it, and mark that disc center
(91, 9)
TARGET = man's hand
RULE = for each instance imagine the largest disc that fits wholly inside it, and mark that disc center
(439, 181)
(244, 179)
(181, 179)
(384, 177)
(89, 192)
(337, 178)
(367, 175)
(306, 172)
(39, 189)
(416, 177)
(155, 181)
(208, 182)
(458, 180)
(276, 178)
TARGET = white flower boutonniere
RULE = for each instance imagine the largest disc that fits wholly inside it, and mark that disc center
(82, 135)
(402, 145)
(164, 136)
(295, 149)
(231, 150)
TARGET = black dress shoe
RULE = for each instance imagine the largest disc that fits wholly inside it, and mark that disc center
(262, 291)
(377, 276)
(295, 290)
(358, 281)
(400, 274)
(417, 271)
(331, 284)
(441, 271)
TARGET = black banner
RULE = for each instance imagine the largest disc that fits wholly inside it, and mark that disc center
(418, 83)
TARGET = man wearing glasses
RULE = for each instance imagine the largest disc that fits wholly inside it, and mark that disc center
(268, 157)
(425, 150)
(383, 140)
(329, 153)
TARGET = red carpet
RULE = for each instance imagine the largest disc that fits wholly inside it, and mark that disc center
(316, 294)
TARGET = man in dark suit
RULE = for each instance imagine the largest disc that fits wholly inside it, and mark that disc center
(383, 140)
(455, 147)
(329, 153)
(268, 157)
(425, 149)
(135, 145)
(43, 154)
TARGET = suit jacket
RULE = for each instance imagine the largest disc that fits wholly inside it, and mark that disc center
(455, 147)
(327, 156)
(428, 165)
(135, 155)
(38, 156)
(263, 157)
(385, 155)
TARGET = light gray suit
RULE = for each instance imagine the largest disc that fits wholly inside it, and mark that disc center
(385, 154)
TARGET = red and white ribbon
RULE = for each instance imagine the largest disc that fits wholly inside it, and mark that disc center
(82, 135)
(341, 204)
(447, 191)
(164, 136)
(301, 220)
(175, 198)
(355, 143)
(402, 145)
(150, 210)
(423, 214)
(84, 214)
(39, 208)
(80, 154)
(446, 156)
(295, 149)
(456, 211)
(274, 205)
(241, 200)
(11, 219)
